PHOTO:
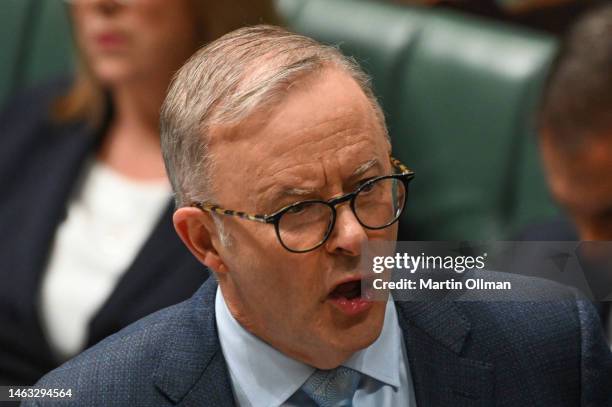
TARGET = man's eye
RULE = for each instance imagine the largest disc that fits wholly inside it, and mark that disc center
(296, 209)
(365, 187)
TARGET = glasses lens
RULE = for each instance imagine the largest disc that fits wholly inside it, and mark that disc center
(305, 225)
(380, 203)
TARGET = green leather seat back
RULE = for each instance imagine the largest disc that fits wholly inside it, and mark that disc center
(52, 48)
(460, 95)
(13, 14)
(380, 48)
(35, 43)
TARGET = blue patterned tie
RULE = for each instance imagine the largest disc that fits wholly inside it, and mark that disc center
(332, 388)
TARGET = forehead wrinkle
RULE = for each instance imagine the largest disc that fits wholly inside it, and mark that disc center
(279, 191)
(269, 188)
(332, 143)
(297, 191)
(360, 169)
(319, 132)
(282, 191)
(365, 167)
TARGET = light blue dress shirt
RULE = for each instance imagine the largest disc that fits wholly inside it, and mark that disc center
(262, 376)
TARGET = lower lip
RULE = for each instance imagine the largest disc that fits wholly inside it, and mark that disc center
(351, 307)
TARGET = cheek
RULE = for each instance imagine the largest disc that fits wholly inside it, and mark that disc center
(391, 232)
(280, 278)
(386, 234)
(81, 19)
(293, 278)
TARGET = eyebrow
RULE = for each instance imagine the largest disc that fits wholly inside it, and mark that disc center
(365, 167)
(297, 191)
(281, 194)
(308, 192)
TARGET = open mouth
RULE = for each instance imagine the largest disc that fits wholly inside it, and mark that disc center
(346, 297)
(349, 290)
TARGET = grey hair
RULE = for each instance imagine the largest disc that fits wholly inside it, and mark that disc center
(223, 83)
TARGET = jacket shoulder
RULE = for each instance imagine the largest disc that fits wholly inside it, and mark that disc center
(118, 370)
(556, 342)
(548, 342)
(154, 361)
(26, 125)
(537, 312)
(32, 103)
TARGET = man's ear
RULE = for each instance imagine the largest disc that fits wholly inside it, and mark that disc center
(199, 233)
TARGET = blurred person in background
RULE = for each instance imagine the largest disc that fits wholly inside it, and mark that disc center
(87, 242)
(576, 141)
(554, 16)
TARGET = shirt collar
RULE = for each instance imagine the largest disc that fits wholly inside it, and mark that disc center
(263, 376)
(381, 360)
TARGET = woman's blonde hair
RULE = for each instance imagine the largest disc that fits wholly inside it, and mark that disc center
(86, 99)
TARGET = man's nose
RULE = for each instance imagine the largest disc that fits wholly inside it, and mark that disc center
(348, 236)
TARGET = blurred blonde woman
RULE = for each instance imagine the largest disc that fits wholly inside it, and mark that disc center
(87, 243)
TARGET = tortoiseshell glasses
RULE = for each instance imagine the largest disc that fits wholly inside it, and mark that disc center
(304, 226)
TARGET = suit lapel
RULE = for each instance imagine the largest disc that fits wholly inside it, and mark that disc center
(52, 176)
(32, 207)
(435, 334)
(161, 253)
(213, 388)
(192, 370)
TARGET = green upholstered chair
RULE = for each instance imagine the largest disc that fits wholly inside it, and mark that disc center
(13, 14)
(35, 43)
(460, 95)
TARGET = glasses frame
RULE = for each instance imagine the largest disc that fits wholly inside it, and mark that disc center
(405, 176)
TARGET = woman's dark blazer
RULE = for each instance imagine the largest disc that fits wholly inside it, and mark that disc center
(40, 164)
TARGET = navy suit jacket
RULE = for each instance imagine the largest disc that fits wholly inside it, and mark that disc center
(40, 162)
(460, 354)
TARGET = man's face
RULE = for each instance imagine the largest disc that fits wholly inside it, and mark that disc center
(581, 181)
(312, 146)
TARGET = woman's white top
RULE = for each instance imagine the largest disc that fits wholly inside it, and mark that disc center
(109, 219)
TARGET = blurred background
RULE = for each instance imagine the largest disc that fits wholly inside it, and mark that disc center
(459, 80)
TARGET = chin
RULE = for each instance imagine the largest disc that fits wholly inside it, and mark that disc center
(331, 342)
(364, 336)
(343, 351)
(349, 340)
(111, 73)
